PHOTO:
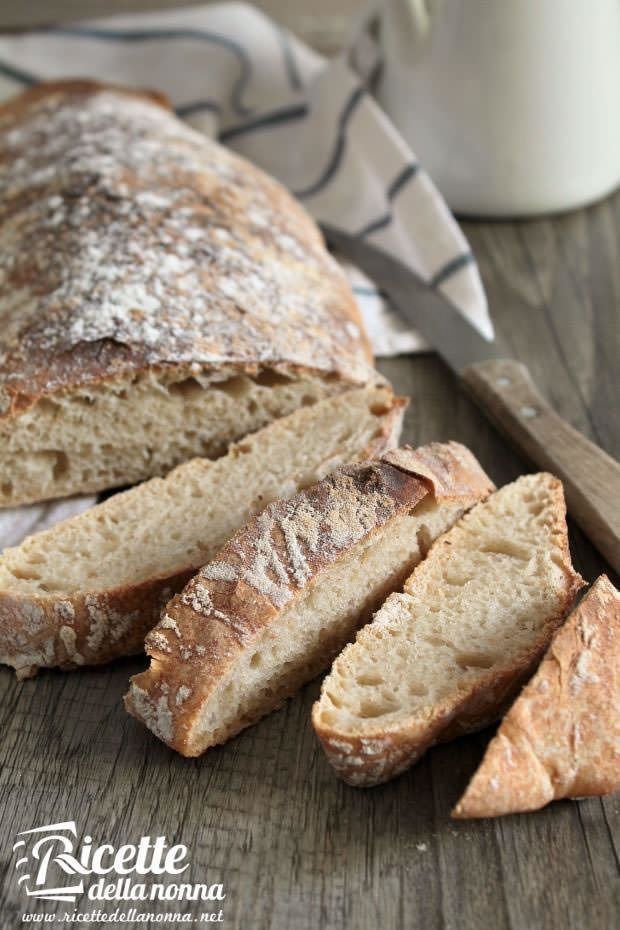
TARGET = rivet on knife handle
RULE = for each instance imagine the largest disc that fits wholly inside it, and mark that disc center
(505, 391)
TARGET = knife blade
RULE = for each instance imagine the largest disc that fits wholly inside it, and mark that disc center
(504, 390)
(425, 308)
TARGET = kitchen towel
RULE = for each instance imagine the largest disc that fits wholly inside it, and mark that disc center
(234, 74)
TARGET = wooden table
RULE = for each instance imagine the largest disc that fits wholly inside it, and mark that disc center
(296, 849)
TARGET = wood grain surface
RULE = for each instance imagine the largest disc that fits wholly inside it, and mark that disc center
(264, 814)
(296, 849)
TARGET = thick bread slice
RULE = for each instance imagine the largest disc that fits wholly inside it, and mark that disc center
(443, 658)
(561, 737)
(290, 589)
(88, 590)
(176, 298)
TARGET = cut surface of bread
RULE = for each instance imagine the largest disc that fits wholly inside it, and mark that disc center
(123, 431)
(177, 299)
(290, 589)
(443, 657)
(88, 589)
(561, 737)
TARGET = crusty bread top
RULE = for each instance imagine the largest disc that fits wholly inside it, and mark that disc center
(131, 241)
(274, 557)
(561, 737)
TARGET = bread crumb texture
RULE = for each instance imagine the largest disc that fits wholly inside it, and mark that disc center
(289, 590)
(561, 737)
(105, 573)
(442, 657)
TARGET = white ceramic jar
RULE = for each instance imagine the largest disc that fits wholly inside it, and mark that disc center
(512, 106)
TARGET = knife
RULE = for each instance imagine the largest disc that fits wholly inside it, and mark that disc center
(505, 391)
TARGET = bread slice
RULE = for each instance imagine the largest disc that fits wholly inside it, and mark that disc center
(561, 737)
(290, 589)
(443, 657)
(87, 590)
(160, 296)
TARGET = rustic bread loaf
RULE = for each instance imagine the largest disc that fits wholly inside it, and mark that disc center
(289, 590)
(561, 737)
(443, 657)
(89, 589)
(160, 297)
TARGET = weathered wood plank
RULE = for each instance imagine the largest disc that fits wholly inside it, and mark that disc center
(264, 814)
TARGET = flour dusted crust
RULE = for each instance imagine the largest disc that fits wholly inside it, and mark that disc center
(561, 737)
(268, 563)
(131, 241)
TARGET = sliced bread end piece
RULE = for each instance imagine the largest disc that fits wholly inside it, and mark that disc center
(291, 588)
(561, 737)
(88, 590)
(446, 655)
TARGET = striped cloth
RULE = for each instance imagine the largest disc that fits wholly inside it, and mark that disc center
(235, 75)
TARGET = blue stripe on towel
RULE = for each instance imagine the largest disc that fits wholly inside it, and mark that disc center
(338, 151)
(455, 264)
(17, 74)
(406, 173)
(146, 35)
(197, 106)
(409, 171)
(274, 118)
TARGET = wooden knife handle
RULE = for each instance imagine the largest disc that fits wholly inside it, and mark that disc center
(505, 391)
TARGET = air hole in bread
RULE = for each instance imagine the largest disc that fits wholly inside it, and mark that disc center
(27, 574)
(269, 378)
(187, 389)
(61, 465)
(369, 679)
(235, 387)
(377, 707)
(335, 701)
(474, 660)
(506, 547)
(48, 406)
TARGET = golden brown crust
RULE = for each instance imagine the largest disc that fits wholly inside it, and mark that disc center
(155, 247)
(267, 564)
(87, 628)
(561, 737)
(92, 628)
(378, 756)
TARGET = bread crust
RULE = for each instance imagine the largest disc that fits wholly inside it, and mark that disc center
(267, 564)
(95, 627)
(157, 250)
(376, 757)
(561, 737)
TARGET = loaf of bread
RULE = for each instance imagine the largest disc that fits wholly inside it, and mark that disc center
(445, 656)
(89, 589)
(287, 591)
(561, 737)
(160, 297)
